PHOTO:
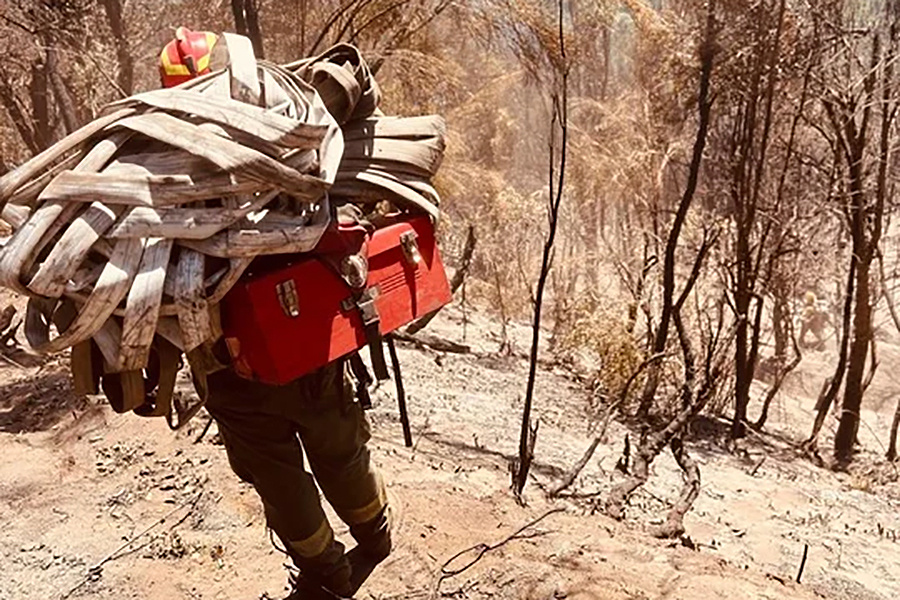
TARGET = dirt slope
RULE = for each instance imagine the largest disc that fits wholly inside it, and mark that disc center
(77, 481)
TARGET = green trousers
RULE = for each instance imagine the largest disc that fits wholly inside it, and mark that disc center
(267, 429)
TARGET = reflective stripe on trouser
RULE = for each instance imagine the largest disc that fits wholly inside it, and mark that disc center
(315, 545)
(260, 425)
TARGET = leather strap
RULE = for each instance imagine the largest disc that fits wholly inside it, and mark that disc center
(160, 403)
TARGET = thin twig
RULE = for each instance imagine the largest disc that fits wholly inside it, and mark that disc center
(120, 551)
(570, 477)
(758, 465)
(482, 549)
(11, 361)
(427, 340)
(802, 562)
(556, 180)
(200, 437)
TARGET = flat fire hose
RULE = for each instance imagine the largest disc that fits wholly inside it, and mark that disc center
(128, 242)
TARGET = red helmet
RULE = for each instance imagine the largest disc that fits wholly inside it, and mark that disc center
(186, 57)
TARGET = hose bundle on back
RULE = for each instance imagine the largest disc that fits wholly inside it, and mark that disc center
(130, 230)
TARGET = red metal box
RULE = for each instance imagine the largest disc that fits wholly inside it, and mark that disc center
(284, 323)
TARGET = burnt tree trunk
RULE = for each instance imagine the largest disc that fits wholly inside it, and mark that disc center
(559, 126)
(743, 366)
(17, 113)
(662, 331)
(246, 22)
(653, 441)
(783, 367)
(856, 365)
(40, 105)
(253, 28)
(780, 315)
(64, 100)
(892, 444)
(751, 136)
(865, 216)
(833, 384)
(240, 19)
(125, 74)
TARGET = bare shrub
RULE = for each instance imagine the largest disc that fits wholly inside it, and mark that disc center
(595, 338)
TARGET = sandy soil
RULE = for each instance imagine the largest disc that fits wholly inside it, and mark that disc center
(77, 482)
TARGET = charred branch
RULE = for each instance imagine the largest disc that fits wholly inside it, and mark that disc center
(560, 127)
(674, 525)
(704, 107)
(579, 466)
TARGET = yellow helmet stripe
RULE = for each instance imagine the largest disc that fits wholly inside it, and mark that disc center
(210, 40)
(203, 62)
(171, 68)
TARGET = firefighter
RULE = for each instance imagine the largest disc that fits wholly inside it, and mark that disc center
(813, 320)
(267, 429)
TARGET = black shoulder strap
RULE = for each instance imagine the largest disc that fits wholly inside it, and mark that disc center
(401, 393)
(368, 312)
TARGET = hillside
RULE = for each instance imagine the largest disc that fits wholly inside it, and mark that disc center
(78, 481)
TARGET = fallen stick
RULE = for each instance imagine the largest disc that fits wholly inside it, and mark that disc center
(482, 549)
(11, 361)
(758, 464)
(802, 562)
(426, 340)
(200, 437)
(94, 572)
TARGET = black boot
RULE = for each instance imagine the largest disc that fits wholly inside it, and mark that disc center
(373, 546)
(325, 576)
(374, 536)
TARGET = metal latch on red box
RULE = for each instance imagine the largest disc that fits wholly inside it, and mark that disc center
(409, 241)
(287, 298)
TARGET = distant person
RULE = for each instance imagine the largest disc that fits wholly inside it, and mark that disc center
(813, 320)
(267, 429)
